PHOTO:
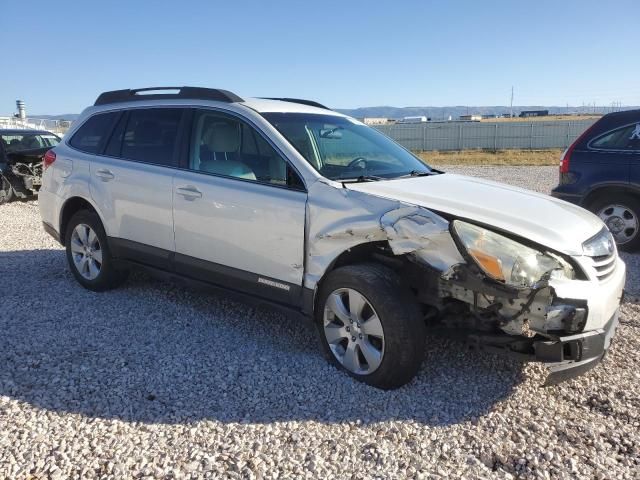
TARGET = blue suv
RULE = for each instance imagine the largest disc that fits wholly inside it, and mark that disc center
(601, 172)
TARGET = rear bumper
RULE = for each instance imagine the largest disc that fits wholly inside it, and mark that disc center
(570, 356)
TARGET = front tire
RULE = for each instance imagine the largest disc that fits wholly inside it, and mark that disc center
(370, 325)
(88, 253)
(621, 215)
(6, 190)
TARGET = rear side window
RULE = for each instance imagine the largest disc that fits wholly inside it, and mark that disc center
(624, 138)
(91, 136)
(151, 135)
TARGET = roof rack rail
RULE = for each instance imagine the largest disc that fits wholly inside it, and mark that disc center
(193, 93)
(310, 103)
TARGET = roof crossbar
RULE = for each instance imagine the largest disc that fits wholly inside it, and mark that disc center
(310, 103)
(192, 93)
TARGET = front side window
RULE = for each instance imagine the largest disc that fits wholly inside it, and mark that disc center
(222, 144)
(28, 141)
(342, 149)
(91, 136)
(625, 138)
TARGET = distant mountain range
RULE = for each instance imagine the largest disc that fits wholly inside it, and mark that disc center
(65, 116)
(435, 113)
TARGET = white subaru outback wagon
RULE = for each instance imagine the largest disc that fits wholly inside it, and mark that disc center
(291, 203)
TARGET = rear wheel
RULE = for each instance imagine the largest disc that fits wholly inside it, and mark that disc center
(370, 325)
(621, 215)
(88, 253)
(6, 191)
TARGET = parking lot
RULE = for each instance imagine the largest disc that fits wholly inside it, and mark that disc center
(154, 380)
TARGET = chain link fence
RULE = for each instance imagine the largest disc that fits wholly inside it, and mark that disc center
(58, 127)
(537, 135)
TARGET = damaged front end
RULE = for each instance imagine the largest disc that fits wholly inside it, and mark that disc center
(491, 290)
(21, 174)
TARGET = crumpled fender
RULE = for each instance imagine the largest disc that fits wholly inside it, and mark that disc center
(339, 219)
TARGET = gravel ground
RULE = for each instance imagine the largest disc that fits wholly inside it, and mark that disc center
(157, 381)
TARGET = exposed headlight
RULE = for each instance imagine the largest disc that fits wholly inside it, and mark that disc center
(600, 245)
(506, 260)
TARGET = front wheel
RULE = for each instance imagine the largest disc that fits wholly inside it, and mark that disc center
(621, 215)
(370, 325)
(6, 190)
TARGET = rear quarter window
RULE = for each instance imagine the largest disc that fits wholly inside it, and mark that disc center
(622, 138)
(91, 136)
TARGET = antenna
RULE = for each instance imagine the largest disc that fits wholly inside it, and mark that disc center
(511, 107)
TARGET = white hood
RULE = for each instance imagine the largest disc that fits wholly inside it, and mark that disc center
(548, 221)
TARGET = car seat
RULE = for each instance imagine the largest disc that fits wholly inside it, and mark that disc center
(219, 151)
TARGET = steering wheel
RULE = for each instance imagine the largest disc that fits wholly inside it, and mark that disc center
(356, 161)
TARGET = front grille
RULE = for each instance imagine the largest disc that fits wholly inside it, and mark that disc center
(604, 265)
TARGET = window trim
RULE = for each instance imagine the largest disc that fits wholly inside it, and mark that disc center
(184, 142)
(126, 111)
(608, 132)
(260, 132)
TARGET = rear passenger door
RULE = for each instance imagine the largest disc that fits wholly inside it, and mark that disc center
(239, 211)
(634, 148)
(613, 155)
(132, 180)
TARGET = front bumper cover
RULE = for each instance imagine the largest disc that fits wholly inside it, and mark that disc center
(570, 356)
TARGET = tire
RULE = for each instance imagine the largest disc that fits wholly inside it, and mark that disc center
(397, 355)
(6, 190)
(88, 253)
(621, 214)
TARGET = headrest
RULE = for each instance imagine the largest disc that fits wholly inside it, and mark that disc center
(223, 137)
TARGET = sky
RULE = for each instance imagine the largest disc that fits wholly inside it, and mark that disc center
(347, 53)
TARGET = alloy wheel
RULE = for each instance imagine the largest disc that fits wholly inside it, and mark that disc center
(86, 251)
(353, 331)
(621, 222)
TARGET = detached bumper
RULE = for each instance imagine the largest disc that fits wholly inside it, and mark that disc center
(571, 356)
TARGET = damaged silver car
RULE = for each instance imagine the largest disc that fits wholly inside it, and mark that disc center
(291, 203)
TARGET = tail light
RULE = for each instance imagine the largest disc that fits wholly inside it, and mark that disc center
(566, 156)
(48, 159)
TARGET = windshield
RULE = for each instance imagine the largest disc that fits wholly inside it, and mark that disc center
(343, 149)
(17, 142)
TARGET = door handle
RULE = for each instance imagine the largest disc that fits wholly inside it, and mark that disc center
(189, 192)
(105, 174)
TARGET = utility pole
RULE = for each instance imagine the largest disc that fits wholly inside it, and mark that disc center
(511, 107)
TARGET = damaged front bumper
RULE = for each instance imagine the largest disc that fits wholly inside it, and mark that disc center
(570, 356)
(566, 356)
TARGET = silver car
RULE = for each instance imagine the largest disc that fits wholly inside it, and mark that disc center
(288, 202)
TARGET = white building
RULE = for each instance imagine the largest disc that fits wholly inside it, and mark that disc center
(375, 120)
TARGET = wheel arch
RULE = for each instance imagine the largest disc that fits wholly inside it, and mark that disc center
(70, 207)
(360, 253)
(596, 193)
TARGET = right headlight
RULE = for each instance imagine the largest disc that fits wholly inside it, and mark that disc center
(506, 260)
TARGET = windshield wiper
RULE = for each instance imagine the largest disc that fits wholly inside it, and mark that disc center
(361, 178)
(419, 173)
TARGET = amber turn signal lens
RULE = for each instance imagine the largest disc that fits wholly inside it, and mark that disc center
(491, 265)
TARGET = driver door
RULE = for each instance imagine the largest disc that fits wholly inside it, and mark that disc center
(239, 211)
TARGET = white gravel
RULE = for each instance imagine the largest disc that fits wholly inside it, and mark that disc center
(156, 381)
